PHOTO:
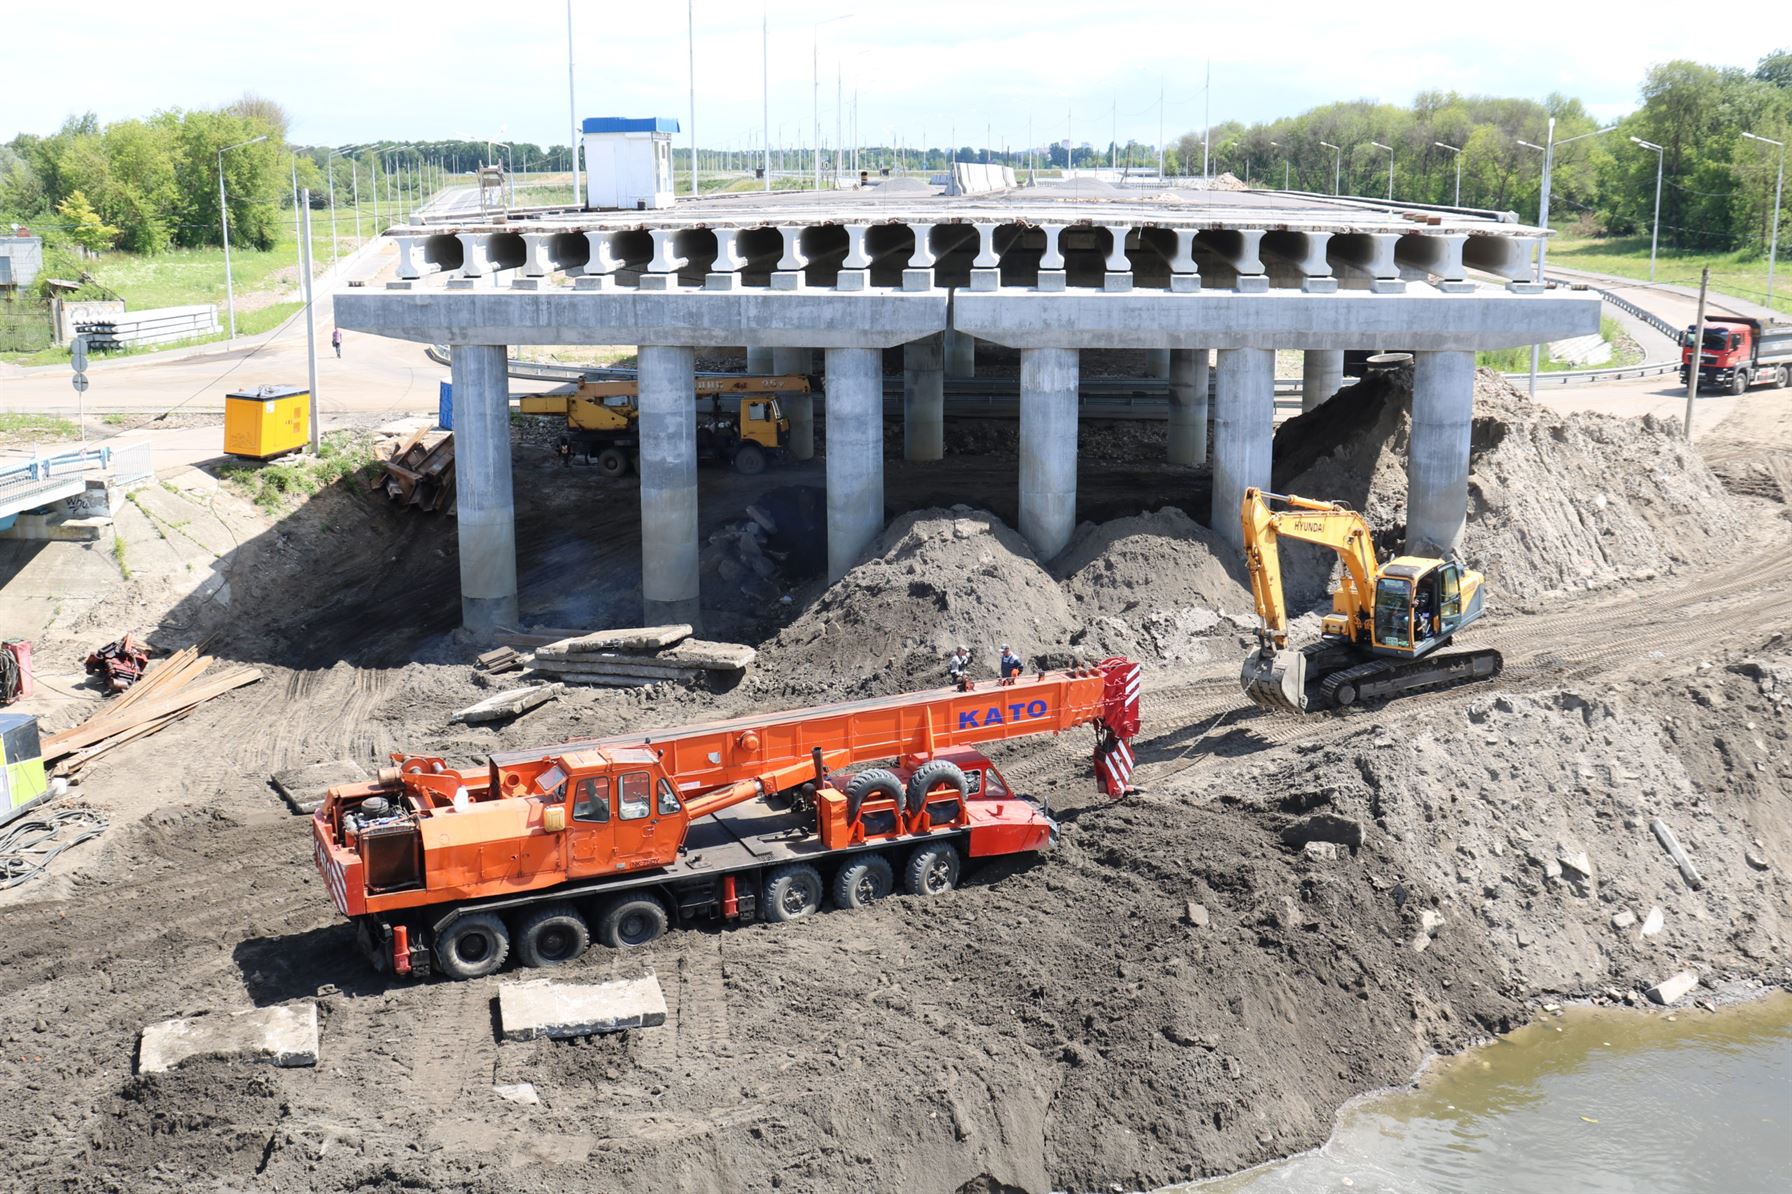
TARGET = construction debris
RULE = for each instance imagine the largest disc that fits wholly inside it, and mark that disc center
(421, 472)
(165, 694)
(498, 661)
(539, 1008)
(283, 1035)
(1671, 844)
(303, 788)
(508, 704)
(122, 662)
(638, 656)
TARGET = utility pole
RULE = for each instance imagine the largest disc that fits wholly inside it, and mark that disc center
(1337, 166)
(354, 177)
(224, 223)
(1655, 226)
(1773, 249)
(572, 112)
(1549, 162)
(765, 86)
(310, 321)
(1160, 128)
(330, 169)
(1207, 119)
(1390, 150)
(1457, 151)
(1697, 349)
(690, 13)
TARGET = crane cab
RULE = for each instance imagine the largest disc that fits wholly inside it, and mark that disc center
(1420, 603)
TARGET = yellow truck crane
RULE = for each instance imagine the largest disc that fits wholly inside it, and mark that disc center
(738, 419)
(1387, 623)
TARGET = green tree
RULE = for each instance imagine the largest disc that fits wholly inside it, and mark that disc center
(85, 227)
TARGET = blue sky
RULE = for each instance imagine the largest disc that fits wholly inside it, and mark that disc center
(445, 68)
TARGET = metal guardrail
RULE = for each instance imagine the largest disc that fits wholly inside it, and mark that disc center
(56, 465)
(1629, 308)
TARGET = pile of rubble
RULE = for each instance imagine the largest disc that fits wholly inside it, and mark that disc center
(420, 471)
(636, 657)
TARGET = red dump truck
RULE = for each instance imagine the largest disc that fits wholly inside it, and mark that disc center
(533, 853)
(1740, 352)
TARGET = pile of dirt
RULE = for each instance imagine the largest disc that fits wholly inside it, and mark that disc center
(935, 579)
(1557, 502)
(1154, 586)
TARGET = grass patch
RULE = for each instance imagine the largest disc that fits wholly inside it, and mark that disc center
(277, 484)
(1740, 273)
(1518, 360)
(17, 427)
(124, 567)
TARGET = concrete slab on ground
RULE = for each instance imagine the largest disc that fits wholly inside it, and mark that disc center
(283, 1035)
(540, 1008)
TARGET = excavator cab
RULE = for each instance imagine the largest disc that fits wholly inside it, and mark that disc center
(1420, 603)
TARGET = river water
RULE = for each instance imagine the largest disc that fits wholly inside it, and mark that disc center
(1608, 1102)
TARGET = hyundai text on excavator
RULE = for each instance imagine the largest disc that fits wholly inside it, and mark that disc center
(1387, 623)
(450, 871)
(739, 421)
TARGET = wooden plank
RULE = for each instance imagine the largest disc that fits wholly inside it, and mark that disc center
(192, 694)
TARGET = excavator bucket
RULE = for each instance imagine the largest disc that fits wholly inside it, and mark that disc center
(1276, 679)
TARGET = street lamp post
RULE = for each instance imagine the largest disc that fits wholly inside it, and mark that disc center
(1274, 145)
(1655, 227)
(815, 71)
(1773, 249)
(572, 108)
(1549, 162)
(1390, 150)
(1457, 151)
(1337, 165)
(224, 222)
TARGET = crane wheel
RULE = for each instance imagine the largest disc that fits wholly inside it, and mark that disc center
(612, 462)
(632, 920)
(933, 774)
(863, 881)
(749, 461)
(868, 784)
(552, 936)
(792, 892)
(473, 946)
(932, 870)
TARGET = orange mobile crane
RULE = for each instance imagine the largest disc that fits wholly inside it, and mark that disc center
(452, 870)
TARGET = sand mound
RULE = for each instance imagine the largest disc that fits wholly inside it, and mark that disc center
(1153, 585)
(934, 579)
(1556, 502)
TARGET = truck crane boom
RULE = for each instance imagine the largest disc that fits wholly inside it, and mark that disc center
(426, 845)
(1387, 624)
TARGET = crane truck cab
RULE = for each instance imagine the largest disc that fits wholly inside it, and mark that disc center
(1738, 352)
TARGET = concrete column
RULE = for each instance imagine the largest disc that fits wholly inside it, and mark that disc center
(1243, 430)
(961, 354)
(1321, 376)
(855, 454)
(484, 506)
(924, 398)
(1443, 408)
(799, 408)
(1157, 362)
(760, 360)
(668, 427)
(1048, 413)
(1188, 406)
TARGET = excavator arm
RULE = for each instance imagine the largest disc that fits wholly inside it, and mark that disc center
(1327, 524)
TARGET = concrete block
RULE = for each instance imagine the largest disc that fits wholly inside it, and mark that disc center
(1185, 283)
(917, 279)
(1116, 281)
(1652, 923)
(1671, 990)
(1320, 851)
(633, 638)
(853, 279)
(526, 284)
(593, 282)
(1575, 863)
(541, 1008)
(520, 1092)
(1319, 286)
(787, 279)
(1430, 921)
(284, 1035)
(461, 283)
(1387, 286)
(508, 704)
(658, 281)
(1455, 287)
(721, 281)
(1252, 284)
(399, 284)
(1623, 919)
(1052, 280)
(986, 279)
(1196, 914)
(1526, 287)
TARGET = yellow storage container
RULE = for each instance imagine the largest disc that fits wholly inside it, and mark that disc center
(267, 421)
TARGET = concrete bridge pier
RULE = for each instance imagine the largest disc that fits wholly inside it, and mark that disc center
(799, 408)
(669, 588)
(1321, 376)
(484, 501)
(1157, 362)
(760, 360)
(1188, 406)
(961, 354)
(1443, 408)
(924, 398)
(855, 455)
(1243, 433)
(1048, 428)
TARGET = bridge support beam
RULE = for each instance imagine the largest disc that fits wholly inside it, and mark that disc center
(923, 398)
(669, 588)
(1048, 427)
(1443, 409)
(855, 455)
(1188, 406)
(1321, 376)
(485, 506)
(1243, 432)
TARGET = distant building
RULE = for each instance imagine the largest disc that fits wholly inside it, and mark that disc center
(21, 260)
(628, 161)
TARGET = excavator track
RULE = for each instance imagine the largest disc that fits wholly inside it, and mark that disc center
(1381, 678)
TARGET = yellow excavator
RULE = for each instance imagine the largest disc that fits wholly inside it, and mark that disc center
(1387, 624)
(739, 420)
